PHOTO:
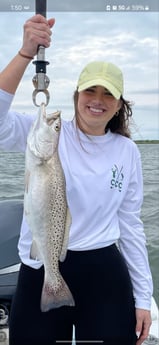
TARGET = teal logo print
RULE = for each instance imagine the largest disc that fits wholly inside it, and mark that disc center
(117, 178)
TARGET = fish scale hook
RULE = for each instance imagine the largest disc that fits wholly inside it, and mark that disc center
(41, 80)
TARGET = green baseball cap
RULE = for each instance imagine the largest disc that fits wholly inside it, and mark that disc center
(104, 74)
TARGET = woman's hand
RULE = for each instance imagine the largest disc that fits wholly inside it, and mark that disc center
(143, 323)
(37, 31)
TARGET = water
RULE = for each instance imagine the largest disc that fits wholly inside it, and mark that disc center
(12, 187)
(11, 175)
(150, 210)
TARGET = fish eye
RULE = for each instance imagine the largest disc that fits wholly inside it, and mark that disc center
(57, 127)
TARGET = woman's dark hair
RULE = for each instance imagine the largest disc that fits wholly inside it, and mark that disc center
(120, 121)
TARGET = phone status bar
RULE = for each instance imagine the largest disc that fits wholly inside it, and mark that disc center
(129, 8)
(82, 6)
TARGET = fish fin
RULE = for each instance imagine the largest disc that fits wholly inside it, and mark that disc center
(66, 236)
(52, 298)
(34, 252)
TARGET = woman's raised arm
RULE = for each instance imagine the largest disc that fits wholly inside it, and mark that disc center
(37, 31)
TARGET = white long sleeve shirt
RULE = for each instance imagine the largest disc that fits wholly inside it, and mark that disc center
(104, 191)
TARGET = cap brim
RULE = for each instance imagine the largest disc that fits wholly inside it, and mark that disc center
(116, 93)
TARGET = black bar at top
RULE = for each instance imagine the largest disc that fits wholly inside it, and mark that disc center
(40, 7)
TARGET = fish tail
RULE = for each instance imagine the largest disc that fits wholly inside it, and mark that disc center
(52, 297)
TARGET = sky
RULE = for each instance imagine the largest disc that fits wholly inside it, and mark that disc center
(128, 39)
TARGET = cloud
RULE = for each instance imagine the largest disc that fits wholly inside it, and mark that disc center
(146, 92)
(129, 40)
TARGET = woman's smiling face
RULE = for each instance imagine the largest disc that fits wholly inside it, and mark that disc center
(96, 107)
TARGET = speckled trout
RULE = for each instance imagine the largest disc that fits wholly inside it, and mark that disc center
(45, 207)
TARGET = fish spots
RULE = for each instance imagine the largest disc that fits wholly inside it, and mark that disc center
(46, 207)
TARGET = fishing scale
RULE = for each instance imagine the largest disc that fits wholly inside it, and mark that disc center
(40, 80)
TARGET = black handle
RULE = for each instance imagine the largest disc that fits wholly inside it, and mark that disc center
(40, 7)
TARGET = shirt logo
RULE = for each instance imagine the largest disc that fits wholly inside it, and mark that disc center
(117, 178)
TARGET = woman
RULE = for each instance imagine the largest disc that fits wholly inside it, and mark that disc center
(112, 287)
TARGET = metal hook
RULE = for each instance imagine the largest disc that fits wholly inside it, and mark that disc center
(40, 80)
(46, 92)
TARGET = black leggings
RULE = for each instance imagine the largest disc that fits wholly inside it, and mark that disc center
(104, 312)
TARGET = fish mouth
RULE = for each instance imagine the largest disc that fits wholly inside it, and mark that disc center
(44, 117)
(50, 118)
